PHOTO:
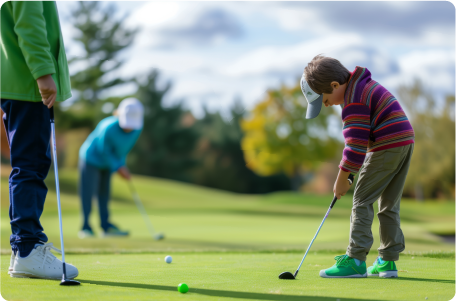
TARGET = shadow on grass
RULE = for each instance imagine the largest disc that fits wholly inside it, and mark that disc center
(220, 293)
(420, 279)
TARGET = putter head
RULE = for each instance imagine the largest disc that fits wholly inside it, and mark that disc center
(286, 275)
(159, 236)
(69, 282)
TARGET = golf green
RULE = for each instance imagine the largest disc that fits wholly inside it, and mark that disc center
(231, 276)
(226, 245)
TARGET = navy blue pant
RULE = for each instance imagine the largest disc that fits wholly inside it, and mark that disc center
(28, 130)
(94, 181)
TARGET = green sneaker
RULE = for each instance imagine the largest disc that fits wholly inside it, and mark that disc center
(381, 268)
(345, 267)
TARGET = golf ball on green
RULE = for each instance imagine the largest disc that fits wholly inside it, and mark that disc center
(168, 259)
(182, 288)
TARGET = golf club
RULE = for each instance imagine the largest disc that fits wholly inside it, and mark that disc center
(64, 281)
(156, 236)
(288, 275)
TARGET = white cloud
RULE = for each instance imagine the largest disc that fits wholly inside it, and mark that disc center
(280, 38)
(386, 19)
(286, 59)
(434, 67)
(176, 24)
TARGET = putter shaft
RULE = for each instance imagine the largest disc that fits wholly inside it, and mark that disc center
(308, 248)
(142, 210)
(57, 190)
(57, 186)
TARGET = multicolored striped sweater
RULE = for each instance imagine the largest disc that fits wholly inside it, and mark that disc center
(373, 120)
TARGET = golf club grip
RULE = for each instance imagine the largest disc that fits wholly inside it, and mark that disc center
(52, 113)
(333, 202)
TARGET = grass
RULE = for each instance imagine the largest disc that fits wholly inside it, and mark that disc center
(200, 219)
(249, 276)
(257, 237)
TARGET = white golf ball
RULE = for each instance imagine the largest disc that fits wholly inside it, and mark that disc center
(168, 259)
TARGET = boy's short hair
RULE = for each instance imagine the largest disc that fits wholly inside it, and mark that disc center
(322, 70)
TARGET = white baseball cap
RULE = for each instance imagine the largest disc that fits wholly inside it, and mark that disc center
(313, 99)
(131, 114)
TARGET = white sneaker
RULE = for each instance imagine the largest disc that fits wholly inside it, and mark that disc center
(11, 262)
(41, 263)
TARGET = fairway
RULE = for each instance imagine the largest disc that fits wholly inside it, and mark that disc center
(227, 245)
(199, 219)
(226, 276)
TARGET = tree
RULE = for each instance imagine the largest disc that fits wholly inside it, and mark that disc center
(167, 141)
(102, 38)
(221, 159)
(278, 138)
(432, 170)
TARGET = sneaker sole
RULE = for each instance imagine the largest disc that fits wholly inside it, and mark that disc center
(323, 275)
(388, 274)
(20, 274)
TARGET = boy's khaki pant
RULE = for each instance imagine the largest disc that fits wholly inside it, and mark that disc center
(382, 177)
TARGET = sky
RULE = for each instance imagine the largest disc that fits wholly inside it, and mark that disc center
(216, 52)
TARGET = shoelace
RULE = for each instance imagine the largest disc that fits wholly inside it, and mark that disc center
(47, 251)
(341, 260)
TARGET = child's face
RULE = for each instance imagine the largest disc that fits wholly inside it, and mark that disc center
(336, 97)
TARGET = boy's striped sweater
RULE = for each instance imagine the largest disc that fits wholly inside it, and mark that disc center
(373, 120)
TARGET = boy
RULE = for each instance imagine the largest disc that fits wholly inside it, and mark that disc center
(377, 134)
(105, 152)
(34, 75)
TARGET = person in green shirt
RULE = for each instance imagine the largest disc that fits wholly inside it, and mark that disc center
(34, 73)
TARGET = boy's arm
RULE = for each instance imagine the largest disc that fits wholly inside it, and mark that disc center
(30, 28)
(356, 130)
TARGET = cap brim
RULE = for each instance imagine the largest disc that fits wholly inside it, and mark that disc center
(314, 108)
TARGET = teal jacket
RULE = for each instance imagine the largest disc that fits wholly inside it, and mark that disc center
(31, 46)
(108, 145)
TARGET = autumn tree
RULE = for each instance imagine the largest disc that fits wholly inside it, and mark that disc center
(278, 137)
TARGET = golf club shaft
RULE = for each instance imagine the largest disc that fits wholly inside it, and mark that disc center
(308, 248)
(141, 209)
(57, 187)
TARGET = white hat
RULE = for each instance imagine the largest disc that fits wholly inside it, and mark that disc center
(313, 99)
(131, 114)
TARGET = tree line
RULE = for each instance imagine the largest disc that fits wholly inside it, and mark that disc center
(173, 144)
(272, 147)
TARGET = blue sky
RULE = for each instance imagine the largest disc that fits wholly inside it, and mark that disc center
(214, 52)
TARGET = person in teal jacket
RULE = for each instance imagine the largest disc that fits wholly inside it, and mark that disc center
(34, 75)
(102, 154)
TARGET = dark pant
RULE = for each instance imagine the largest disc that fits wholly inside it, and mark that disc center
(94, 181)
(28, 130)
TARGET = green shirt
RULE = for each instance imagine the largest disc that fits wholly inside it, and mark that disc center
(31, 46)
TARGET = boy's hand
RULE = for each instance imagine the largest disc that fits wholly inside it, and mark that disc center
(124, 173)
(342, 185)
(48, 90)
